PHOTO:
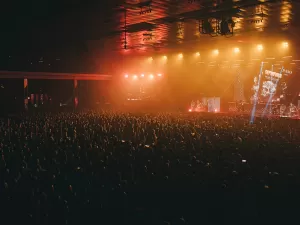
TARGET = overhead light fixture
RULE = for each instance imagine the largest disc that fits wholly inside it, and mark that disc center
(260, 47)
(285, 44)
(236, 50)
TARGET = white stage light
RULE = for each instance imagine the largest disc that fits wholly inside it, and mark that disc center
(260, 47)
(236, 50)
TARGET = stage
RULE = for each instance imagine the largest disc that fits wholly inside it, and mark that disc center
(243, 114)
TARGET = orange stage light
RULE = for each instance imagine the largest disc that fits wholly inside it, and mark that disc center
(285, 44)
(236, 50)
(260, 47)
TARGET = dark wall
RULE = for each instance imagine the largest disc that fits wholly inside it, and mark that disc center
(11, 96)
(93, 94)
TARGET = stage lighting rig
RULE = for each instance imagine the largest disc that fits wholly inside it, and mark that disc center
(125, 29)
(215, 27)
(226, 27)
(259, 13)
(205, 27)
(180, 28)
(145, 7)
(147, 36)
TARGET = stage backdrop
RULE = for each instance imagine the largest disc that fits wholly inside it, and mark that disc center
(213, 104)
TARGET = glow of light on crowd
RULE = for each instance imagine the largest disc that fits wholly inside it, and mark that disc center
(142, 75)
(180, 56)
(197, 54)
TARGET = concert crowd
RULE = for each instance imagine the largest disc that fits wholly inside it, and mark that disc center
(161, 168)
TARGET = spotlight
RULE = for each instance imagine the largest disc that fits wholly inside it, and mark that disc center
(197, 54)
(135, 77)
(159, 75)
(190, 110)
(285, 44)
(126, 76)
(236, 50)
(180, 56)
(260, 47)
(142, 75)
(165, 57)
(151, 76)
(216, 52)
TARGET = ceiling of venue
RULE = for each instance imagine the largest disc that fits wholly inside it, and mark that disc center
(165, 24)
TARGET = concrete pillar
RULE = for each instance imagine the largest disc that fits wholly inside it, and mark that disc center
(75, 94)
(26, 94)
